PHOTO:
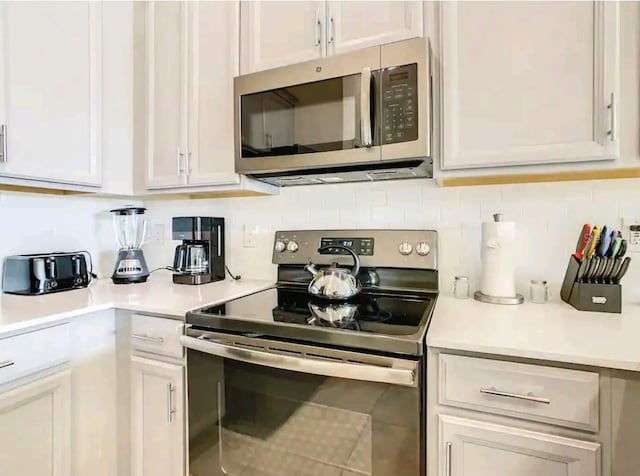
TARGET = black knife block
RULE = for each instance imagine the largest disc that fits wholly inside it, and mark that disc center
(589, 296)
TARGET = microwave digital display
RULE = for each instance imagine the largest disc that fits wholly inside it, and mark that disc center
(398, 76)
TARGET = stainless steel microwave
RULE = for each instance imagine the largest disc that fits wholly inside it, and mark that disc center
(359, 116)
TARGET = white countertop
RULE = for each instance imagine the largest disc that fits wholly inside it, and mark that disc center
(158, 296)
(553, 331)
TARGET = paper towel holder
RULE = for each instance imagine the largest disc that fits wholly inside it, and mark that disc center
(506, 300)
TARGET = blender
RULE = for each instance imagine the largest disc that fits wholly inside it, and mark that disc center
(130, 228)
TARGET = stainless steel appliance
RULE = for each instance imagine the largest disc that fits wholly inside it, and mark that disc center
(200, 258)
(46, 272)
(130, 229)
(283, 383)
(355, 117)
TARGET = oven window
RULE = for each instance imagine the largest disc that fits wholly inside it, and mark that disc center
(248, 420)
(321, 116)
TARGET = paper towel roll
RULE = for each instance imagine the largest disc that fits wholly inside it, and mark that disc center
(498, 259)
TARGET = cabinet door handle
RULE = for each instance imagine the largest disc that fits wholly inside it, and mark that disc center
(529, 396)
(180, 158)
(612, 118)
(188, 163)
(332, 30)
(3, 138)
(447, 460)
(318, 29)
(171, 409)
(6, 363)
(157, 340)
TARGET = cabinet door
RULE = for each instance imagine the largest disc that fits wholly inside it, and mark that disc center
(35, 422)
(528, 82)
(353, 25)
(157, 418)
(279, 33)
(475, 448)
(50, 90)
(213, 63)
(166, 57)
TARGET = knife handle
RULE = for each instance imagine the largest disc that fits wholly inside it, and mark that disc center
(623, 249)
(605, 241)
(615, 247)
(593, 243)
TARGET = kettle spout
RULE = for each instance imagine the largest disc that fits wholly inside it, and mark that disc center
(310, 267)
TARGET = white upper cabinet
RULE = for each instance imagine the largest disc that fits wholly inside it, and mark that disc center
(191, 59)
(528, 83)
(357, 24)
(50, 91)
(166, 47)
(280, 33)
(213, 57)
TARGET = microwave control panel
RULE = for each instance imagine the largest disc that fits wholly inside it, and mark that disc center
(399, 104)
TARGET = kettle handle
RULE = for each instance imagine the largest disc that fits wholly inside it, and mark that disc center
(356, 260)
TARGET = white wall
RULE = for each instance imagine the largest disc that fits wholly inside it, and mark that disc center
(549, 218)
(34, 223)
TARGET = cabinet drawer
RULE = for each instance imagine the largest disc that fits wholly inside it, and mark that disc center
(534, 392)
(24, 354)
(157, 335)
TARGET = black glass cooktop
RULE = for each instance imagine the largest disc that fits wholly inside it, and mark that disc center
(370, 319)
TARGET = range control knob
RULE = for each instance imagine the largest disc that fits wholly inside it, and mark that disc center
(293, 246)
(280, 246)
(405, 248)
(423, 248)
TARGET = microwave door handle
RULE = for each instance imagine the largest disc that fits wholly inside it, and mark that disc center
(370, 373)
(365, 108)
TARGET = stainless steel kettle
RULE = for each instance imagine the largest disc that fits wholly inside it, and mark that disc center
(335, 282)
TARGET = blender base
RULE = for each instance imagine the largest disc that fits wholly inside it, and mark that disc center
(131, 267)
(141, 279)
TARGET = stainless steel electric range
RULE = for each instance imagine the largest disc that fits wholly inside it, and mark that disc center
(283, 383)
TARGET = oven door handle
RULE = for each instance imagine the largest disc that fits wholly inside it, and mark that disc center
(406, 376)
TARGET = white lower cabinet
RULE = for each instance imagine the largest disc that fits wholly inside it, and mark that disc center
(157, 418)
(477, 448)
(35, 428)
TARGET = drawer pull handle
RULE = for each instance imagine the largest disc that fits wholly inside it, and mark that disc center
(6, 363)
(158, 340)
(529, 396)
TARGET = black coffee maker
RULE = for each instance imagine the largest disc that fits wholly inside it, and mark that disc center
(200, 257)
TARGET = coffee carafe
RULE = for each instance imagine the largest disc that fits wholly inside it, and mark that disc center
(200, 257)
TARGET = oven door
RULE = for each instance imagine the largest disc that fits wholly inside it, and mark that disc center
(259, 407)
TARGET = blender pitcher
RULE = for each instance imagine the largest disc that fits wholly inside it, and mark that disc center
(129, 226)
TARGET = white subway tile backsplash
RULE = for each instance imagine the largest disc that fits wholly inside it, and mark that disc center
(548, 217)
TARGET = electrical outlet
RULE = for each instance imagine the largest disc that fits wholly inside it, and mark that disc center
(631, 232)
(155, 234)
(250, 236)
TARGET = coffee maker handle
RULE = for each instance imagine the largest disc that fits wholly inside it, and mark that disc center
(179, 258)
